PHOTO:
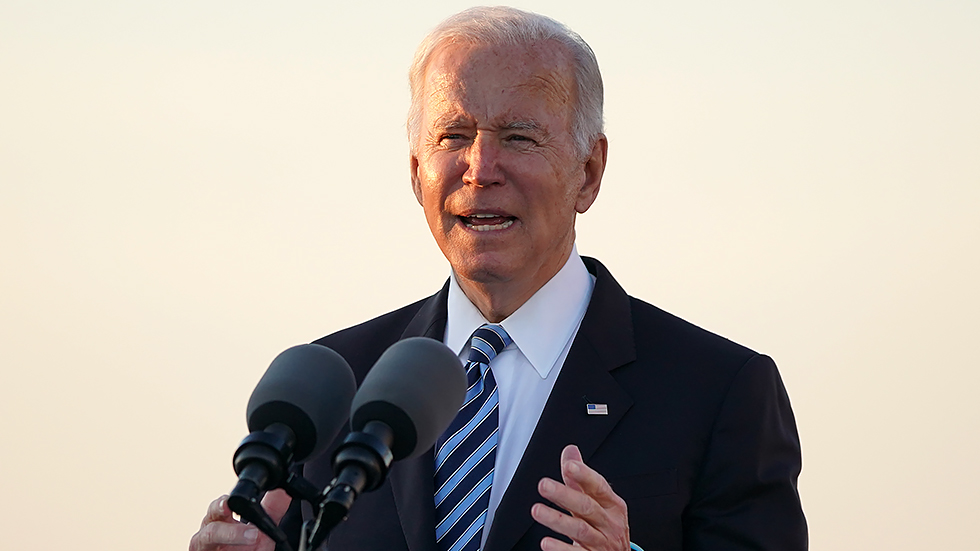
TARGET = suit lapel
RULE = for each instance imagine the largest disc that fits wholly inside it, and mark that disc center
(411, 479)
(603, 343)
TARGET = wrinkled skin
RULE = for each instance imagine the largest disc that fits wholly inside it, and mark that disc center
(221, 532)
(496, 142)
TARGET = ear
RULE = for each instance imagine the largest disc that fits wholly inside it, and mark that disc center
(416, 180)
(595, 165)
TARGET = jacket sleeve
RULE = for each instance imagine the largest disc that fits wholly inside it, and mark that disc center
(746, 497)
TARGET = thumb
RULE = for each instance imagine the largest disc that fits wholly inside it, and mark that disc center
(275, 503)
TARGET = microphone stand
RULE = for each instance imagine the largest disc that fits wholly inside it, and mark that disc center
(261, 461)
(361, 464)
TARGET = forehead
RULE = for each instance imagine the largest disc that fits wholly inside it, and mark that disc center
(493, 81)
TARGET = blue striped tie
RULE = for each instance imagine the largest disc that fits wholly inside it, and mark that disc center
(465, 452)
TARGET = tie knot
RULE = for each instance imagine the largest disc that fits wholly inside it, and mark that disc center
(487, 341)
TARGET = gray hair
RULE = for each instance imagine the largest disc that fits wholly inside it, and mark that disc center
(509, 26)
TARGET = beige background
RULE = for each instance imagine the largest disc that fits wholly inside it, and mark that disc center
(189, 187)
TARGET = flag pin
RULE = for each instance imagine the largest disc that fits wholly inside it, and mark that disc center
(597, 409)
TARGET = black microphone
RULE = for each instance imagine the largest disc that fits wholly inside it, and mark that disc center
(295, 411)
(406, 401)
(416, 388)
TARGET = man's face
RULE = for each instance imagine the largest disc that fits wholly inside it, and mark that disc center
(496, 170)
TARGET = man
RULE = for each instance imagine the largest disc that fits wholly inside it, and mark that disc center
(615, 424)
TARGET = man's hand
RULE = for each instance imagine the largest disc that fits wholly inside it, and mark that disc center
(220, 531)
(598, 518)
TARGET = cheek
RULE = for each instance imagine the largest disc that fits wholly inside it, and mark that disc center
(438, 171)
(433, 200)
(428, 185)
(564, 194)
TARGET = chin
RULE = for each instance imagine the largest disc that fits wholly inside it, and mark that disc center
(480, 269)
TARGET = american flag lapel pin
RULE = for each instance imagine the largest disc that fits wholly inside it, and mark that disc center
(597, 409)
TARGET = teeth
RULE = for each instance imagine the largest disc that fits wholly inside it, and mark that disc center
(484, 216)
(487, 227)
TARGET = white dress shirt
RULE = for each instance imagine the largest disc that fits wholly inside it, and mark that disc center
(542, 329)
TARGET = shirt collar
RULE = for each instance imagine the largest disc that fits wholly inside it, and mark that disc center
(541, 327)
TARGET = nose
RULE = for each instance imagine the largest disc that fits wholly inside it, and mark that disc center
(483, 162)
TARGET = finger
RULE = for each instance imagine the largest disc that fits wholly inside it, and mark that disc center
(580, 476)
(580, 531)
(574, 501)
(569, 454)
(216, 534)
(217, 511)
(276, 503)
(551, 544)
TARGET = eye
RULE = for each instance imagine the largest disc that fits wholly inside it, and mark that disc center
(451, 137)
(452, 140)
(520, 138)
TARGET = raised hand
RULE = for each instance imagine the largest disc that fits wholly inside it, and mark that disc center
(598, 519)
(221, 532)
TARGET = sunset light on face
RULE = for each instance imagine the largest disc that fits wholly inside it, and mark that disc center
(497, 172)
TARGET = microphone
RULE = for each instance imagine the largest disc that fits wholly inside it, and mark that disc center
(406, 401)
(416, 388)
(295, 411)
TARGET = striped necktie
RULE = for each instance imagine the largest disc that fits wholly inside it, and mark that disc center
(465, 452)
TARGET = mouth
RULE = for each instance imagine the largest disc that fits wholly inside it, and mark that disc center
(487, 221)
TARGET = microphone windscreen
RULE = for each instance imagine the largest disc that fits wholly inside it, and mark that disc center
(308, 388)
(416, 387)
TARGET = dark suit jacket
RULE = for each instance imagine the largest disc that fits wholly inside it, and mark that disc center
(700, 439)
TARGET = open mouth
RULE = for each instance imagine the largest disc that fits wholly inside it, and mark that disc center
(487, 222)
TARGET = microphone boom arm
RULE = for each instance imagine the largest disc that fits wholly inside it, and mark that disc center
(361, 464)
(261, 463)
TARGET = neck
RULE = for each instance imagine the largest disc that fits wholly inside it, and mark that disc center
(495, 301)
(498, 299)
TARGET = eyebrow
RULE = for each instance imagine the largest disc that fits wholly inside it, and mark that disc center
(530, 124)
(450, 122)
(453, 122)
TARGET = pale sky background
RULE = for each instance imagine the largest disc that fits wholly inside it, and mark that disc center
(188, 188)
